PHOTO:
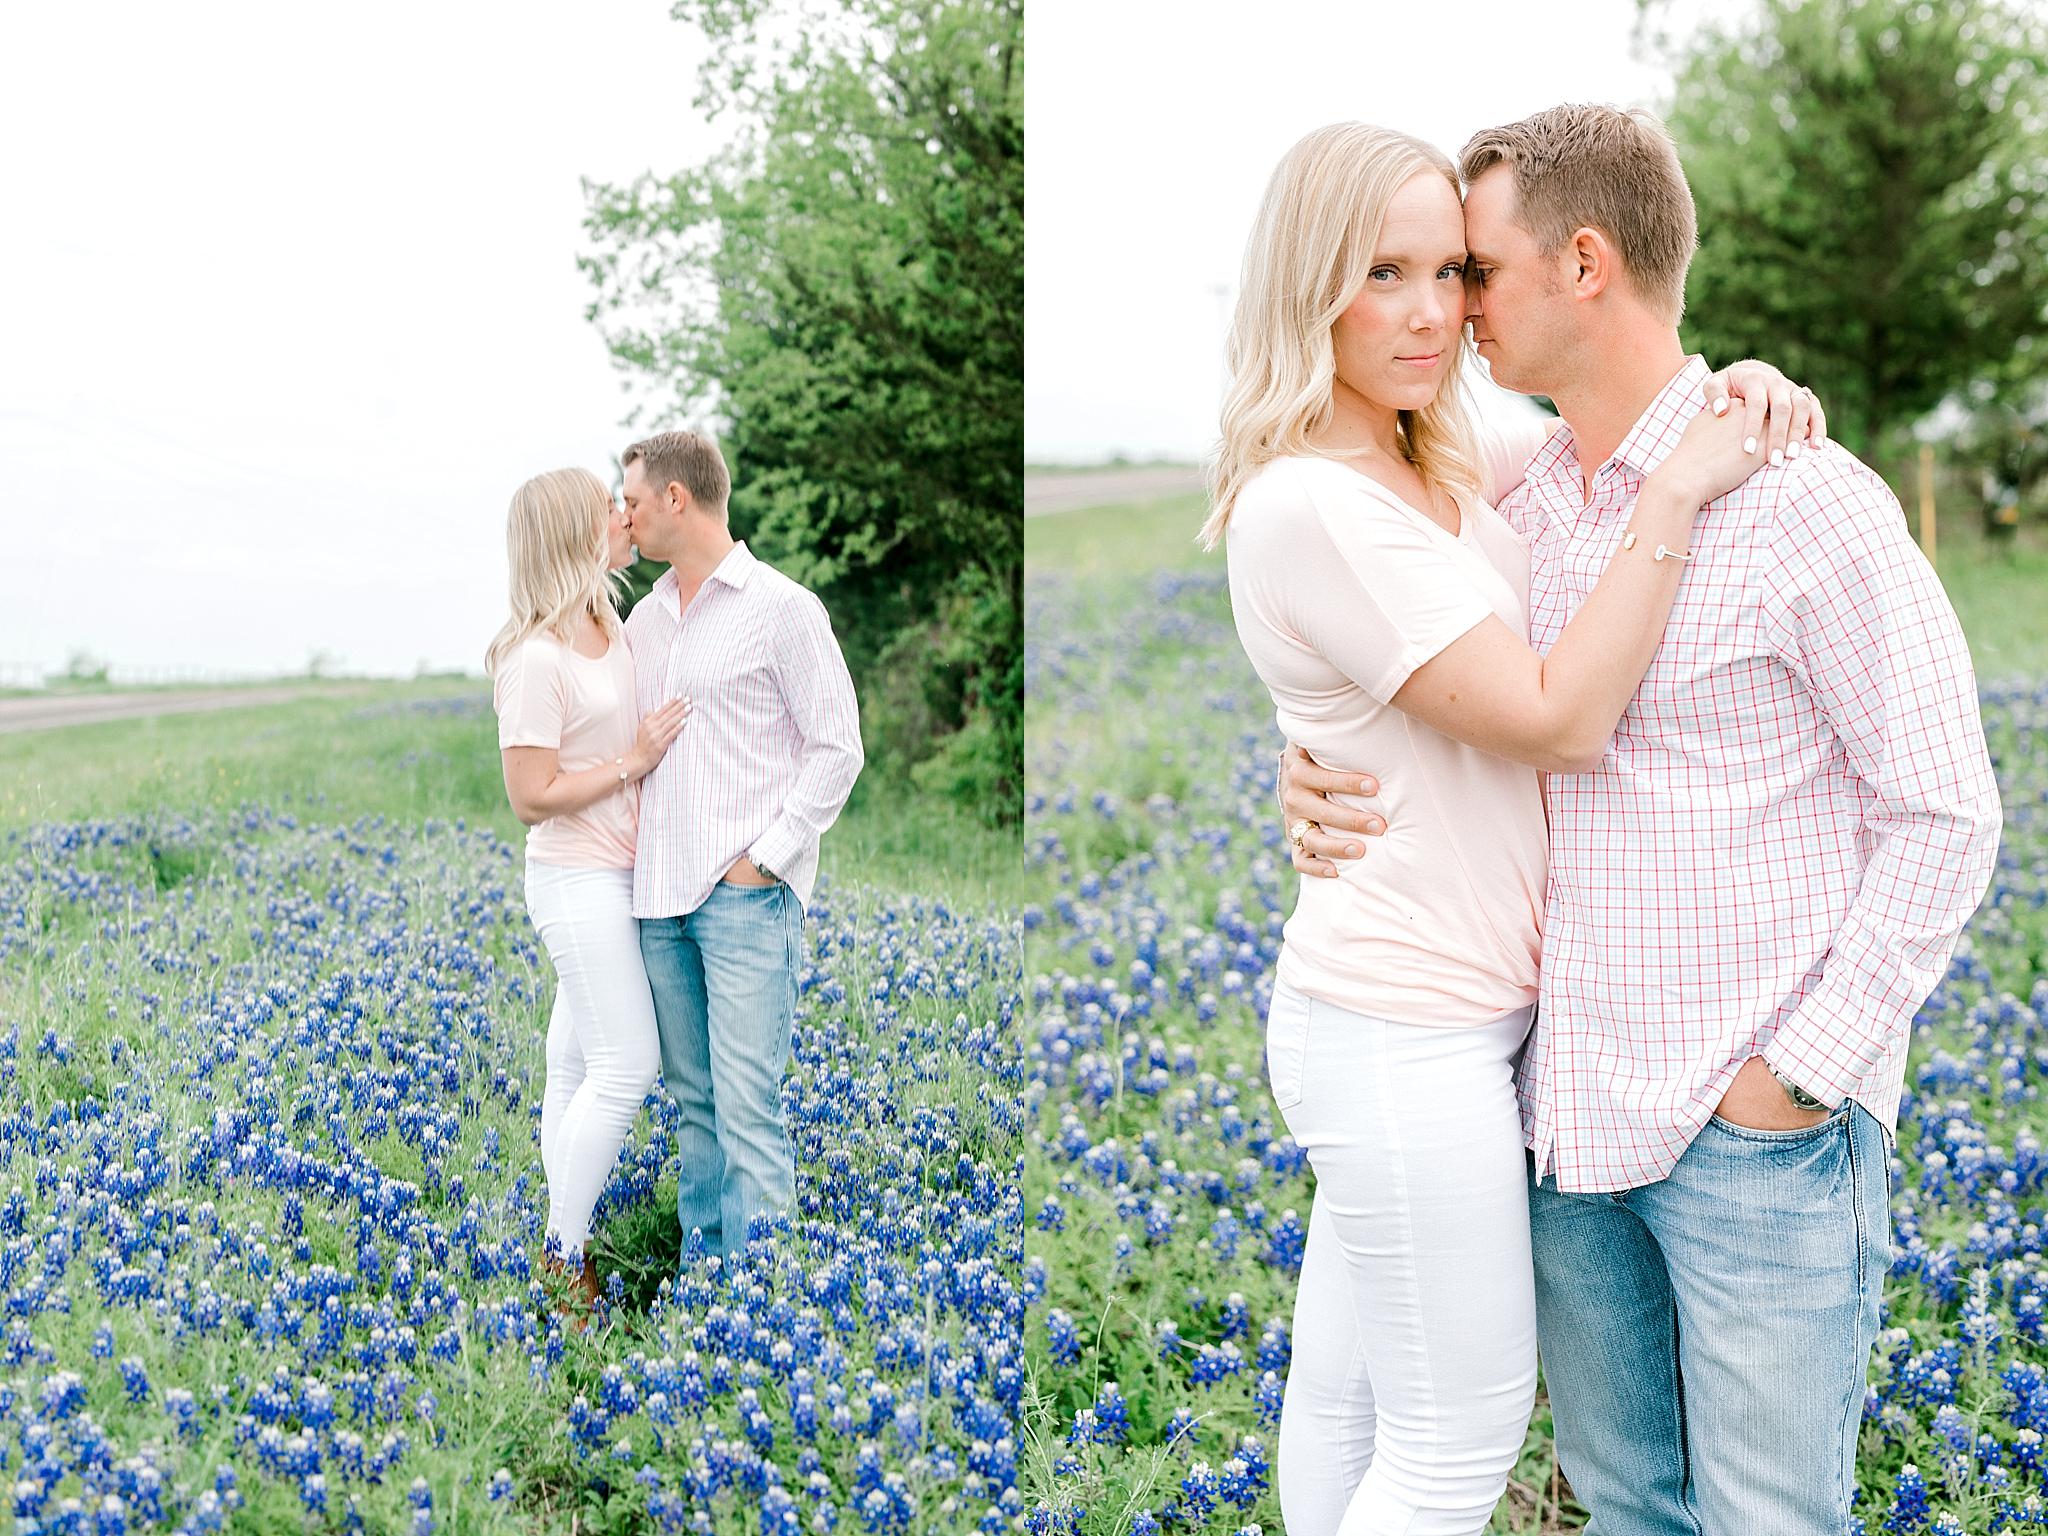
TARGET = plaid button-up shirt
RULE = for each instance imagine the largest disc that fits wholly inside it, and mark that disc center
(772, 746)
(1792, 823)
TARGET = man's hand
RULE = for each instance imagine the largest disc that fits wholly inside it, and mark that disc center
(1338, 831)
(1759, 1101)
(743, 872)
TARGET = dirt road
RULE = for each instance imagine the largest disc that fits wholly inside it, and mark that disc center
(42, 714)
(1073, 490)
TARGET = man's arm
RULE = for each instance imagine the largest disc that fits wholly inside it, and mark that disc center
(812, 675)
(1860, 612)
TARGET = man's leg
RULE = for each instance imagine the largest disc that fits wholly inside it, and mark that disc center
(748, 936)
(1778, 1243)
(1607, 1331)
(675, 975)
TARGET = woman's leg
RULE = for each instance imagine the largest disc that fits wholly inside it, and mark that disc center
(1416, 1142)
(565, 1075)
(587, 921)
(1326, 1418)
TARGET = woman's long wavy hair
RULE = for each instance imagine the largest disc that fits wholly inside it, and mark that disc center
(555, 538)
(1310, 250)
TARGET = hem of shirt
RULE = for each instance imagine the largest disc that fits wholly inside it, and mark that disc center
(1420, 1010)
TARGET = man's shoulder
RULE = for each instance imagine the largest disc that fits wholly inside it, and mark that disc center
(778, 590)
(1830, 490)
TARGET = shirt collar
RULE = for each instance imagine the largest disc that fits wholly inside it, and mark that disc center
(1647, 444)
(736, 567)
(733, 570)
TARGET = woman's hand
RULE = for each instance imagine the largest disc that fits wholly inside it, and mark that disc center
(1716, 455)
(657, 730)
(1783, 418)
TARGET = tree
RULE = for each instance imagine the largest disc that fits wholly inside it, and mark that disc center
(843, 290)
(1872, 182)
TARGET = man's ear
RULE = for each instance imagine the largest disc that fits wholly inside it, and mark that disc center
(679, 497)
(1590, 262)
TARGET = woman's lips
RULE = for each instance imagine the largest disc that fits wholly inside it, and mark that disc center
(1429, 361)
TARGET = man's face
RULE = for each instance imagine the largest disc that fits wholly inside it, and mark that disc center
(643, 520)
(1515, 299)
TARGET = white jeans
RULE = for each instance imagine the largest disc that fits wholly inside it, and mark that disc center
(603, 1054)
(1414, 1359)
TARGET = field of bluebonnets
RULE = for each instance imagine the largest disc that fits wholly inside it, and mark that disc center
(270, 1190)
(1167, 1205)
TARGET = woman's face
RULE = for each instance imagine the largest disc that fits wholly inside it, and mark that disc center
(618, 537)
(1396, 341)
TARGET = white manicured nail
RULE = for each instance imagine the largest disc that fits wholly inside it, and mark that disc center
(1778, 456)
(1720, 407)
(1749, 445)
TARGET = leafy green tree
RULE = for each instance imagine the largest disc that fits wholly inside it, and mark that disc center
(1872, 182)
(842, 291)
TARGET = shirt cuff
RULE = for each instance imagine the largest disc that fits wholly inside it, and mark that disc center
(774, 850)
(1808, 1068)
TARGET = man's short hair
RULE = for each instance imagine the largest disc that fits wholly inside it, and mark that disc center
(689, 459)
(1584, 166)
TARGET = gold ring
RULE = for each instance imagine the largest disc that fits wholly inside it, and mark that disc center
(1297, 832)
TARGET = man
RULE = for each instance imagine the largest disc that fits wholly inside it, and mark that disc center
(1748, 900)
(727, 851)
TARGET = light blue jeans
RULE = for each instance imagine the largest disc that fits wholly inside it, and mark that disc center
(1705, 1339)
(724, 985)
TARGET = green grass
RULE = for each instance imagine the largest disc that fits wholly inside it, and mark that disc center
(413, 751)
(1156, 534)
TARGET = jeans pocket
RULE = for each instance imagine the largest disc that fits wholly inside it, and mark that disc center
(1797, 1136)
(1287, 1046)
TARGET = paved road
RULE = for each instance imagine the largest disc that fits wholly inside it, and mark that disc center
(42, 714)
(1074, 490)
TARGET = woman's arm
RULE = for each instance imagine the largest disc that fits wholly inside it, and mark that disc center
(1491, 690)
(539, 790)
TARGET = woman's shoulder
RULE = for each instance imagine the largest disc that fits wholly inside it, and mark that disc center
(1281, 489)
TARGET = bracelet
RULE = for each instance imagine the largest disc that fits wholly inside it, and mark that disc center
(1663, 552)
(620, 764)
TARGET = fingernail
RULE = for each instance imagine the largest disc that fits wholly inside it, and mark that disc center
(1777, 456)
(1749, 445)
(1375, 828)
(1367, 787)
(1352, 850)
(1792, 450)
(1720, 407)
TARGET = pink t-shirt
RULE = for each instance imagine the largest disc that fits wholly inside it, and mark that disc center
(549, 696)
(1341, 590)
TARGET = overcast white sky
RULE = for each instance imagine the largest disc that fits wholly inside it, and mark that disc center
(1152, 129)
(289, 306)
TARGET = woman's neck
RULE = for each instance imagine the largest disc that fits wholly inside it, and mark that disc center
(1360, 426)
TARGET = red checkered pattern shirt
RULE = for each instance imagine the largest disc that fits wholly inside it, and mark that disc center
(1791, 825)
(772, 745)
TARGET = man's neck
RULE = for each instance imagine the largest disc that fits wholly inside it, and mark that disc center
(700, 556)
(1624, 374)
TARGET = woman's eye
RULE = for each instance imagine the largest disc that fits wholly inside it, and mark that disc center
(1455, 270)
(1383, 272)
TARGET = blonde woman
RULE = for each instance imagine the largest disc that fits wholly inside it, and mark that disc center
(1382, 600)
(574, 757)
